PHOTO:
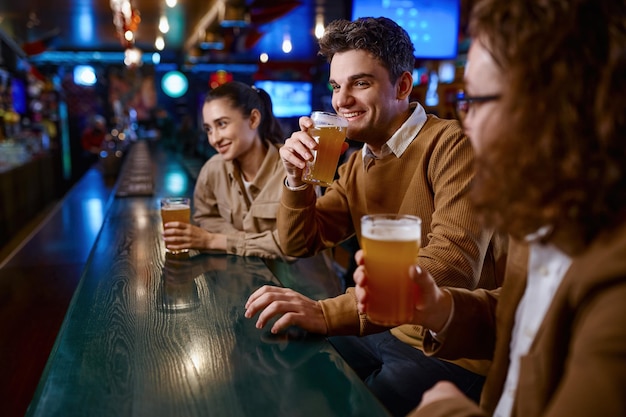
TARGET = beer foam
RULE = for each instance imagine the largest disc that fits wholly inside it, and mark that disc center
(175, 207)
(322, 119)
(394, 230)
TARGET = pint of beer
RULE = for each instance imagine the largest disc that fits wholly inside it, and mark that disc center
(390, 244)
(329, 133)
(175, 209)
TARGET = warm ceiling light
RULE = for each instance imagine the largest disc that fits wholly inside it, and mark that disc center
(319, 26)
(126, 20)
(287, 46)
(170, 3)
(132, 57)
(127, 9)
(164, 25)
(159, 43)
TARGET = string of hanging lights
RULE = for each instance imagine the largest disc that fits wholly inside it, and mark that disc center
(126, 19)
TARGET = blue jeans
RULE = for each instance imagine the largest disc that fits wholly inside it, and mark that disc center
(399, 374)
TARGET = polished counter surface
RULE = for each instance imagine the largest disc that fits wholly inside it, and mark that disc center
(37, 281)
(151, 335)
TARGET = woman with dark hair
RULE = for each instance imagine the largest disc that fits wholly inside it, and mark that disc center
(238, 190)
(545, 108)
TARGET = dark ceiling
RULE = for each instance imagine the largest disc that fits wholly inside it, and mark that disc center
(73, 29)
(87, 25)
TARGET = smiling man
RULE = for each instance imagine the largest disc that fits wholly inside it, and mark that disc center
(410, 163)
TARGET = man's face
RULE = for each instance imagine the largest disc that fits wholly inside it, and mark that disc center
(483, 78)
(363, 94)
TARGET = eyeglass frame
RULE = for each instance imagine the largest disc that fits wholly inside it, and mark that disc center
(467, 101)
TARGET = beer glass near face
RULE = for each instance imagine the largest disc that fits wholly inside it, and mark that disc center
(329, 132)
(390, 245)
(175, 209)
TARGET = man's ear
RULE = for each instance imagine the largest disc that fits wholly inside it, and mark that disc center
(404, 85)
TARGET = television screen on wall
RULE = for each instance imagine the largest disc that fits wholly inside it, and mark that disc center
(289, 98)
(18, 92)
(433, 25)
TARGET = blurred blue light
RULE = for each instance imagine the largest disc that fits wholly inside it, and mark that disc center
(175, 183)
(174, 84)
(84, 75)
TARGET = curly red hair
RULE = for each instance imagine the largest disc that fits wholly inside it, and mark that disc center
(557, 153)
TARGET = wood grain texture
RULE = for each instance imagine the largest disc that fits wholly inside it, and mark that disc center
(147, 335)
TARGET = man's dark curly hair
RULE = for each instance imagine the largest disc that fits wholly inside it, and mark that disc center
(381, 37)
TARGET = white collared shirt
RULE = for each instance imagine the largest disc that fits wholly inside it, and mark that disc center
(402, 138)
(546, 267)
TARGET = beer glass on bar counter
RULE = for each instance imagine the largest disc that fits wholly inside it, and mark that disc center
(175, 209)
(329, 133)
(390, 245)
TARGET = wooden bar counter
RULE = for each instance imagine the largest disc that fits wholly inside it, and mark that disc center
(150, 335)
(37, 280)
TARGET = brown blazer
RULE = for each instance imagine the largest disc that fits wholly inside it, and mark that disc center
(576, 365)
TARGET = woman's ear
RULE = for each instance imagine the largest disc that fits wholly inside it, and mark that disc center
(255, 119)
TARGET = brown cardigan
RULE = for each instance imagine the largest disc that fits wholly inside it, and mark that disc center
(430, 180)
(576, 365)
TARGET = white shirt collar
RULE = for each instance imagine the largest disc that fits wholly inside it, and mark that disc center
(402, 137)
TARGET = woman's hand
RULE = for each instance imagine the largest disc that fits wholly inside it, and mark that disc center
(179, 235)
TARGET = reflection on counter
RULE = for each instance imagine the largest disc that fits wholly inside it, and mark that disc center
(178, 290)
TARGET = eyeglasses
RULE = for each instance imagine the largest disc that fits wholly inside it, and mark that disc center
(464, 103)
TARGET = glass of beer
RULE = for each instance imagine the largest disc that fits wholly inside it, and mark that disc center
(175, 209)
(390, 244)
(329, 133)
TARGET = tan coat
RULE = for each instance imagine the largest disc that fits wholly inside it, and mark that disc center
(220, 206)
(576, 365)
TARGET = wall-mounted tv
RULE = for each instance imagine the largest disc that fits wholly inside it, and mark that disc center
(289, 98)
(18, 92)
(433, 25)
